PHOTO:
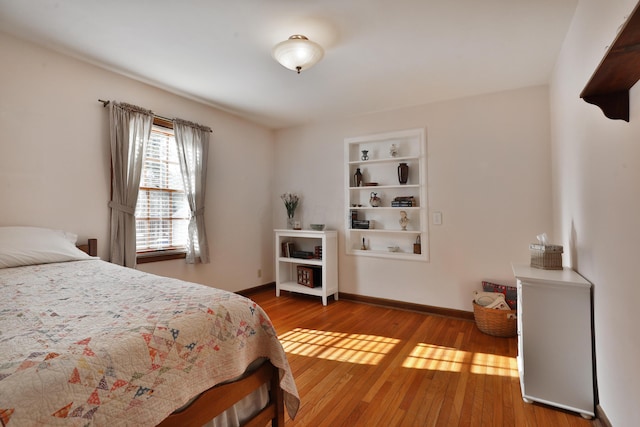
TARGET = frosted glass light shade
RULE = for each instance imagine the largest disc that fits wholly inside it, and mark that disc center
(298, 53)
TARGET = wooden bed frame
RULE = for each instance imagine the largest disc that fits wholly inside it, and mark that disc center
(90, 248)
(219, 398)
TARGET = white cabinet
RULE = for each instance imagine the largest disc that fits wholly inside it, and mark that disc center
(311, 242)
(376, 231)
(555, 344)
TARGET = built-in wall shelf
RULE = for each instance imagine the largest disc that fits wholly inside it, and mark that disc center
(375, 229)
(618, 71)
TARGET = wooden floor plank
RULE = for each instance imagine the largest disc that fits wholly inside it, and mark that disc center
(363, 365)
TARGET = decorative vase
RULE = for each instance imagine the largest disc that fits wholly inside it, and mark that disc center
(365, 155)
(357, 178)
(291, 222)
(403, 173)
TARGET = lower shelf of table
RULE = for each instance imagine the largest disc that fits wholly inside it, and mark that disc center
(295, 287)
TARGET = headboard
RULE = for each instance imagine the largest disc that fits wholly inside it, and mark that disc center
(90, 248)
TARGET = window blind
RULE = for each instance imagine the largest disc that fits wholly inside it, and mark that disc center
(162, 212)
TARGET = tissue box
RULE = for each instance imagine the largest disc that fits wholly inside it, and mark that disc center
(548, 257)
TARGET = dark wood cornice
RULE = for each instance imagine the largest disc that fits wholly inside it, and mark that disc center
(618, 71)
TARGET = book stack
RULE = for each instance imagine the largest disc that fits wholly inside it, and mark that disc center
(302, 254)
(360, 224)
(354, 216)
(403, 202)
(287, 249)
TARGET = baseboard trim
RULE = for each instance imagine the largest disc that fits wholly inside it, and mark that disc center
(427, 309)
(383, 302)
(601, 417)
(256, 289)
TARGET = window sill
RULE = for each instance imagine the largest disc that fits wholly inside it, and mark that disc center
(144, 258)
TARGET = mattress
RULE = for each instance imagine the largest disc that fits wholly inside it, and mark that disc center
(91, 343)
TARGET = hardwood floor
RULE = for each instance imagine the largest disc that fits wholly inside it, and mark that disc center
(362, 365)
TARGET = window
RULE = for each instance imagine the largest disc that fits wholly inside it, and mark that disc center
(162, 213)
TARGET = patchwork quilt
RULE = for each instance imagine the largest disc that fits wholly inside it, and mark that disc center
(91, 343)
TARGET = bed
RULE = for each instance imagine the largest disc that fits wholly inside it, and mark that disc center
(85, 342)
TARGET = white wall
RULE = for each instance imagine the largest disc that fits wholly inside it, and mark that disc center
(596, 176)
(54, 162)
(489, 175)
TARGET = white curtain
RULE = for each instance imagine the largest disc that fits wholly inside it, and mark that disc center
(130, 128)
(193, 152)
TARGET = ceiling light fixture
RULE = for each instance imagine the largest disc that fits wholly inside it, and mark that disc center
(298, 53)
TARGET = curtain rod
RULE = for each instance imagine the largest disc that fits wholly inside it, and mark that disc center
(105, 103)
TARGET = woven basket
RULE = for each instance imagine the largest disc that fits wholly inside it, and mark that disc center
(547, 257)
(499, 323)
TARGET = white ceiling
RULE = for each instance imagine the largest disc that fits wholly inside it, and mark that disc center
(379, 54)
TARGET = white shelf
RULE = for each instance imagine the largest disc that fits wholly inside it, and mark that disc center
(388, 208)
(295, 287)
(292, 260)
(383, 160)
(388, 254)
(302, 233)
(307, 240)
(414, 233)
(382, 168)
(384, 187)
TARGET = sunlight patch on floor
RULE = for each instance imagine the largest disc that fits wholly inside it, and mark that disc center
(439, 358)
(435, 358)
(338, 346)
(492, 364)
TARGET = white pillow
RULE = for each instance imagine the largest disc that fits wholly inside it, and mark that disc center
(34, 245)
